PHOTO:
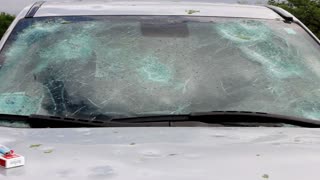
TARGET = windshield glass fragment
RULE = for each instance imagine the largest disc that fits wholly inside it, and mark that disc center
(132, 66)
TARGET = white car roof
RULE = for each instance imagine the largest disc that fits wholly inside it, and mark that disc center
(154, 8)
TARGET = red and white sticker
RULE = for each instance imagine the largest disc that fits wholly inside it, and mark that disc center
(11, 160)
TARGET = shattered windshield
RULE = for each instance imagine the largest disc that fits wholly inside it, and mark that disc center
(138, 65)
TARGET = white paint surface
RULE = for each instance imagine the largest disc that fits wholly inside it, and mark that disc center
(15, 6)
(165, 153)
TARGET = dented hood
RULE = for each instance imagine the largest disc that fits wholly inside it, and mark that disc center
(164, 153)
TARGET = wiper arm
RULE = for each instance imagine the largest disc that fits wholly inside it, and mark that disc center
(226, 118)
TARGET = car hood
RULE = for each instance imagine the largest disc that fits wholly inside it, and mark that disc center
(164, 153)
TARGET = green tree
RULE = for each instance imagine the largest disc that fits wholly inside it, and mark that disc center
(5, 21)
(307, 11)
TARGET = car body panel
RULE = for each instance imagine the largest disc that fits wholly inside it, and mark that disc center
(164, 153)
(155, 8)
(161, 153)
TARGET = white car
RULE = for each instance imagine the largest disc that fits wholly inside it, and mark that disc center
(179, 91)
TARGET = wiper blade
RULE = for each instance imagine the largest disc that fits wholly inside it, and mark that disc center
(226, 118)
(42, 121)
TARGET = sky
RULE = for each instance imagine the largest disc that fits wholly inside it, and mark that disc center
(15, 6)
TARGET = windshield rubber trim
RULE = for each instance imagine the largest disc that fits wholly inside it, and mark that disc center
(288, 18)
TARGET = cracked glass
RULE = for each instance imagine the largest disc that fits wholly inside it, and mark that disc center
(119, 66)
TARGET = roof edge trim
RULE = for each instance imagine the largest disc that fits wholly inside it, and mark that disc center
(285, 16)
(34, 8)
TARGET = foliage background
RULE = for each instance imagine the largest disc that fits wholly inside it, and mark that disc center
(5, 21)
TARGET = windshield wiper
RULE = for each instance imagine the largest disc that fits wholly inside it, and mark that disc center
(42, 121)
(224, 118)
